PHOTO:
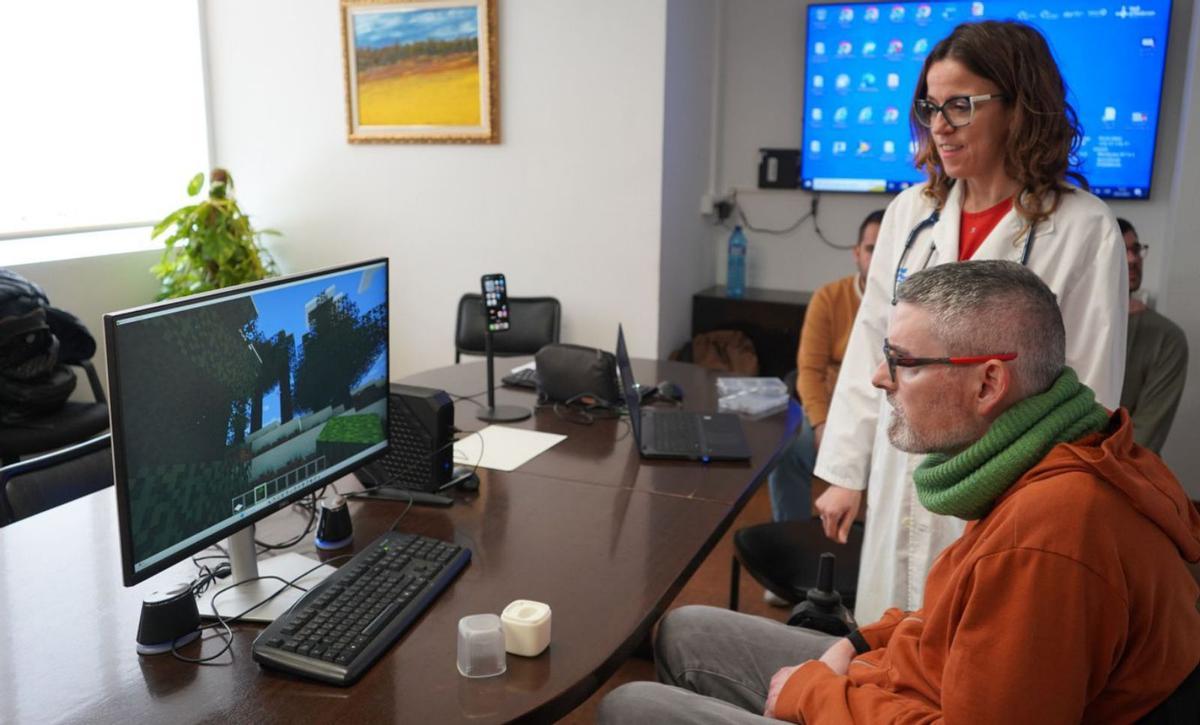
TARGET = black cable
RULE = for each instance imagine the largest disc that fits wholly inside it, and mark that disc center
(226, 621)
(624, 418)
(392, 480)
(307, 503)
(468, 398)
(816, 199)
(741, 213)
(402, 513)
(810, 214)
(475, 467)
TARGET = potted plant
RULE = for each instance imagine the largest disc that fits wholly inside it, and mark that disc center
(210, 244)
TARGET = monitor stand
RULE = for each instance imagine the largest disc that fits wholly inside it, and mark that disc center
(246, 566)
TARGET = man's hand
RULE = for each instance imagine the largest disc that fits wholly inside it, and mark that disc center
(837, 507)
(777, 682)
(818, 433)
(838, 656)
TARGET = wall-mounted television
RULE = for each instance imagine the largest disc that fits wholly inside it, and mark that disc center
(862, 61)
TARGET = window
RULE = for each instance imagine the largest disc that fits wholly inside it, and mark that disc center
(102, 120)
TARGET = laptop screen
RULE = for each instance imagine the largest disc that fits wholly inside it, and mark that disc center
(629, 386)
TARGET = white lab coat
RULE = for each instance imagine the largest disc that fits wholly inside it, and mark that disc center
(1078, 252)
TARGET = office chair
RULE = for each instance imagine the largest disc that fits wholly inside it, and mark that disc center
(43, 482)
(534, 323)
(75, 421)
(783, 557)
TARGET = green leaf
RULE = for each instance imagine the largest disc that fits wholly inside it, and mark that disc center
(209, 244)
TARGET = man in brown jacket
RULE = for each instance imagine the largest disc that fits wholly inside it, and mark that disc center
(1068, 597)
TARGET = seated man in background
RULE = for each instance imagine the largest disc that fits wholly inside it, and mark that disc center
(1156, 355)
(1066, 599)
(823, 338)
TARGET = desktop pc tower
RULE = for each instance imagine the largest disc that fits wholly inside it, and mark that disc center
(420, 454)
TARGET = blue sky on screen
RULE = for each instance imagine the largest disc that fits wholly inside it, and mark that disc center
(379, 30)
(283, 309)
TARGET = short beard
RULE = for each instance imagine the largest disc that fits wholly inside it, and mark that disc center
(949, 441)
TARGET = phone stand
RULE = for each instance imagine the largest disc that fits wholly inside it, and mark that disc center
(493, 413)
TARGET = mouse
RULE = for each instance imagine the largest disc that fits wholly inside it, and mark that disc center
(669, 391)
(466, 478)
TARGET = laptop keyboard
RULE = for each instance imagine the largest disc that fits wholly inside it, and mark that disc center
(675, 431)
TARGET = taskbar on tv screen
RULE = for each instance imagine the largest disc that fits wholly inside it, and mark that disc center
(884, 186)
(1121, 192)
(872, 186)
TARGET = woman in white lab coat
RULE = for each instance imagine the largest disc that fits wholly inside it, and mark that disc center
(996, 136)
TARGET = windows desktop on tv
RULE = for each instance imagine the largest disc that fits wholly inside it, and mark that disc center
(862, 61)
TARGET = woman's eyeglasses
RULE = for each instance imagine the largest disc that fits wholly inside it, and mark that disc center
(958, 111)
(900, 361)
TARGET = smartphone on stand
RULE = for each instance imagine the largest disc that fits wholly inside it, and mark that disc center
(495, 311)
(495, 301)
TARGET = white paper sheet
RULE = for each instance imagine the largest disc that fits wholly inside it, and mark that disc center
(502, 448)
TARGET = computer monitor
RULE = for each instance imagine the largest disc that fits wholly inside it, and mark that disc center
(863, 60)
(230, 405)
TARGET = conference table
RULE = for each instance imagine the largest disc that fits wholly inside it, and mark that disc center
(606, 538)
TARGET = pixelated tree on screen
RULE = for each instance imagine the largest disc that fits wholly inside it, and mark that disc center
(201, 356)
(339, 348)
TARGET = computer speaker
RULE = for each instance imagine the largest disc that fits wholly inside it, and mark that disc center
(169, 620)
(334, 529)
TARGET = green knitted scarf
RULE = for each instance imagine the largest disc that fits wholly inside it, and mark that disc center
(967, 484)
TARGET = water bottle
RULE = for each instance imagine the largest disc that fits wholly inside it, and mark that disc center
(735, 284)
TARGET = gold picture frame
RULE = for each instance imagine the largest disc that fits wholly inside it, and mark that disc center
(421, 71)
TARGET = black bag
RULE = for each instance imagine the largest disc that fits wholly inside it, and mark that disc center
(566, 373)
(36, 342)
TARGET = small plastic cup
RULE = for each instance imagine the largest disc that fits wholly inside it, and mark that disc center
(481, 646)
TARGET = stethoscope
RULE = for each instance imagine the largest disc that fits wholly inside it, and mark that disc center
(928, 222)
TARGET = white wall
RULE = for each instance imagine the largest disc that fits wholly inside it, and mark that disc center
(1181, 301)
(687, 266)
(763, 72)
(568, 204)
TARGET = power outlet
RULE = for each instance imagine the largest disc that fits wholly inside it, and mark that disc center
(717, 206)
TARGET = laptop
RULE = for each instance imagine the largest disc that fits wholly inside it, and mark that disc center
(679, 434)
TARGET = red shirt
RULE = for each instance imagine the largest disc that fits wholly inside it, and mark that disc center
(976, 226)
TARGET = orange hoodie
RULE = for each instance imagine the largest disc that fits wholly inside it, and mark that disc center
(1069, 602)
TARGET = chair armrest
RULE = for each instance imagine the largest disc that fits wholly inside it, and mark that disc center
(93, 379)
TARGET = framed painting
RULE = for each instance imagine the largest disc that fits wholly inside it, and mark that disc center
(421, 71)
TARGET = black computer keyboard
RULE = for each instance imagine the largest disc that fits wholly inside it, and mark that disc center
(524, 378)
(345, 623)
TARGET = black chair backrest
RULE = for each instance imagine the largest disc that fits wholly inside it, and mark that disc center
(1182, 706)
(533, 323)
(41, 483)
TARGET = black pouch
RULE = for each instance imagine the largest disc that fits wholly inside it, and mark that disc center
(568, 372)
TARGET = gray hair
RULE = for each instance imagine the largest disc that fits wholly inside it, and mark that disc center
(985, 307)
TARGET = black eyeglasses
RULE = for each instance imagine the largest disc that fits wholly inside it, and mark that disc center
(1138, 250)
(958, 111)
(899, 361)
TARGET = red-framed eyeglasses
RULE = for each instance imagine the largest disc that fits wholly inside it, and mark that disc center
(900, 361)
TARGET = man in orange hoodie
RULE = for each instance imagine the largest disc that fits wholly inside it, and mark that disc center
(1067, 599)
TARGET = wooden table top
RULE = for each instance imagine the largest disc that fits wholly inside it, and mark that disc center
(605, 539)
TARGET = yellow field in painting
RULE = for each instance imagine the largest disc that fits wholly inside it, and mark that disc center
(444, 97)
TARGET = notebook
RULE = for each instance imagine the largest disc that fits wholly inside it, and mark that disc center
(677, 433)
